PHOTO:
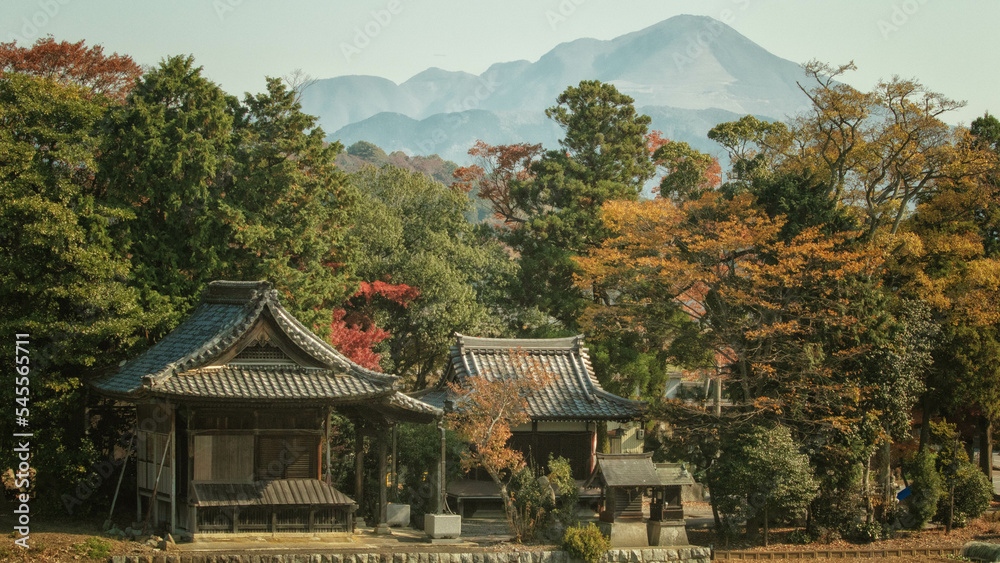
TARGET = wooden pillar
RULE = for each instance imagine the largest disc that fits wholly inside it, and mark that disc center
(326, 445)
(382, 527)
(442, 470)
(140, 442)
(394, 468)
(173, 468)
(359, 463)
(718, 396)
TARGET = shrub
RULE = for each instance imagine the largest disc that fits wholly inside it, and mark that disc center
(94, 548)
(866, 532)
(840, 503)
(532, 504)
(761, 476)
(561, 476)
(925, 484)
(799, 537)
(826, 535)
(586, 543)
(973, 493)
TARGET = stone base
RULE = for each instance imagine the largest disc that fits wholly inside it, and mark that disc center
(382, 530)
(667, 533)
(625, 534)
(439, 526)
(446, 541)
(397, 515)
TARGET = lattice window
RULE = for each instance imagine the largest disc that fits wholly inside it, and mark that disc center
(261, 352)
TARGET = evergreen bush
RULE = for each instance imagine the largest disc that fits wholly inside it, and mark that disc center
(586, 543)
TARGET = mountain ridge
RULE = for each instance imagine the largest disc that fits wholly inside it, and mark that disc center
(677, 67)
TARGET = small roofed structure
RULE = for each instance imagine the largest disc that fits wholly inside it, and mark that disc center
(564, 416)
(234, 418)
(626, 481)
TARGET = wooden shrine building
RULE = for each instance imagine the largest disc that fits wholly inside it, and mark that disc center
(626, 482)
(233, 417)
(564, 415)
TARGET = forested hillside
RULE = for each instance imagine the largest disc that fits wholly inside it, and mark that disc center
(840, 279)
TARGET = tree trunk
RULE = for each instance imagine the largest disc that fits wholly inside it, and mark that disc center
(929, 408)
(986, 446)
(884, 487)
(715, 514)
(866, 485)
(767, 525)
(753, 524)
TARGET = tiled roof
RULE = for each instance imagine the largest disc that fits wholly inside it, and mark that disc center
(182, 363)
(207, 321)
(572, 394)
(627, 470)
(636, 470)
(674, 474)
(263, 493)
(268, 382)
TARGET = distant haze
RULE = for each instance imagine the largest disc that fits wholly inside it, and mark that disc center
(688, 73)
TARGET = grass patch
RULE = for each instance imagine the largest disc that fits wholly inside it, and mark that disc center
(94, 548)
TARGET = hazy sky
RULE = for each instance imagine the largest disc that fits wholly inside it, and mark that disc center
(950, 45)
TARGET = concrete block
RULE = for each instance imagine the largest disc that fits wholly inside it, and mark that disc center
(443, 525)
(397, 515)
(667, 533)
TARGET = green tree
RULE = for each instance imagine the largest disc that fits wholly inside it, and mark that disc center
(62, 277)
(168, 158)
(411, 230)
(603, 157)
(227, 190)
(285, 210)
(761, 475)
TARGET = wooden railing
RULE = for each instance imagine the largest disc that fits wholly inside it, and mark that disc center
(834, 554)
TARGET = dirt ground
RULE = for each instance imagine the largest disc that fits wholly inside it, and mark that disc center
(65, 540)
(985, 529)
(62, 540)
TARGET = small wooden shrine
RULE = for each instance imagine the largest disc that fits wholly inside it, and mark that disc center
(631, 482)
(564, 416)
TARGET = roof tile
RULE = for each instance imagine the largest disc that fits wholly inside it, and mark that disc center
(573, 394)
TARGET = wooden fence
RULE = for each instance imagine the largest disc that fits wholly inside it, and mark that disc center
(834, 554)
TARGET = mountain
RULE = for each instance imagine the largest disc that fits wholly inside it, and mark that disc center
(688, 73)
(363, 153)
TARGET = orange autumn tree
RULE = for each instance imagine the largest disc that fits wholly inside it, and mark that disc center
(486, 407)
(878, 152)
(952, 262)
(112, 75)
(798, 321)
(494, 173)
(756, 299)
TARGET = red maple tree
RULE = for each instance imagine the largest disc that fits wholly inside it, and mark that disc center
(353, 331)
